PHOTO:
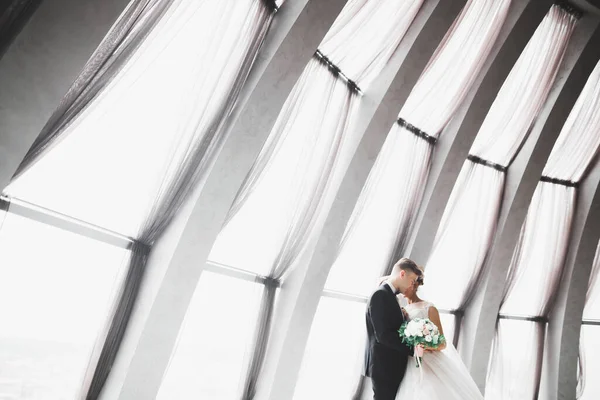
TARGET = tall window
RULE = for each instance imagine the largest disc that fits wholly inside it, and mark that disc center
(387, 204)
(136, 132)
(538, 260)
(469, 223)
(383, 217)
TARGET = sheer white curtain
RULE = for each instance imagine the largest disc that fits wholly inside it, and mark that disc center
(311, 144)
(362, 23)
(384, 214)
(537, 264)
(469, 221)
(537, 261)
(285, 186)
(455, 65)
(589, 350)
(125, 153)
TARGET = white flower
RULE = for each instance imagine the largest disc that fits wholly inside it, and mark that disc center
(436, 339)
(428, 338)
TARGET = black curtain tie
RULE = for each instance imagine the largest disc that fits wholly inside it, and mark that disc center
(416, 131)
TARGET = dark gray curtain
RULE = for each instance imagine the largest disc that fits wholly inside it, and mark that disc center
(14, 14)
(261, 335)
(105, 351)
(128, 32)
(4, 204)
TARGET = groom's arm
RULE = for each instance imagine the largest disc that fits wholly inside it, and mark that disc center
(380, 307)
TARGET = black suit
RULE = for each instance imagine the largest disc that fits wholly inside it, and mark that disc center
(386, 355)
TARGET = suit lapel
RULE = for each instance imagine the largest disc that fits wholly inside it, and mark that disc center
(388, 289)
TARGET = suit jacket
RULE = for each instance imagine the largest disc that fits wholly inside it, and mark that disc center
(386, 356)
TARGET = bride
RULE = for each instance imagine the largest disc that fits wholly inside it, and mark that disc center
(444, 375)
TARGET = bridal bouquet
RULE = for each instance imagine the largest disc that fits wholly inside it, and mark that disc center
(421, 331)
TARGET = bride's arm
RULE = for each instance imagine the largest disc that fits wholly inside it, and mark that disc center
(434, 316)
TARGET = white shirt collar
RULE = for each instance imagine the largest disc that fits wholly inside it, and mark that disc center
(391, 285)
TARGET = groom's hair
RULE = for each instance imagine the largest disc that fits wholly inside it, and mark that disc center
(408, 265)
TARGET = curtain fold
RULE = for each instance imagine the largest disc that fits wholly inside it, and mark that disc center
(536, 266)
(349, 42)
(173, 96)
(387, 206)
(538, 260)
(469, 222)
(543, 241)
(107, 346)
(260, 341)
(131, 28)
(284, 189)
(454, 66)
(191, 164)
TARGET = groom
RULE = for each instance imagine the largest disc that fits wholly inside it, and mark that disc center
(386, 355)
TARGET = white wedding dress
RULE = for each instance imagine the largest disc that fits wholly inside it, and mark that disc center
(445, 376)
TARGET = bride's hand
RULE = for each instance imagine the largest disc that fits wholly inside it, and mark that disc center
(432, 349)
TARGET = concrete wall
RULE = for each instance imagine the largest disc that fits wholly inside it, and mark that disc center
(40, 65)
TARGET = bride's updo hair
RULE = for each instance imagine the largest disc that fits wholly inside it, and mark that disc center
(421, 278)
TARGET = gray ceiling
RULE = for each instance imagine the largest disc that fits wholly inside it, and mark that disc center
(592, 6)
